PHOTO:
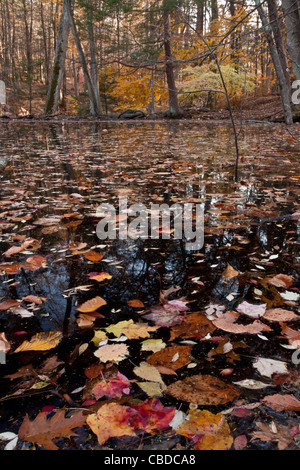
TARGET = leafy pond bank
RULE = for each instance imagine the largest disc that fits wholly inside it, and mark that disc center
(176, 349)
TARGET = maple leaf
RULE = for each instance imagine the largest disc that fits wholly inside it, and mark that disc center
(209, 431)
(111, 420)
(112, 387)
(130, 329)
(165, 315)
(42, 431)
(151, 416)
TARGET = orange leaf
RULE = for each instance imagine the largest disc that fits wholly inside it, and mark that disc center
(93, 256)
(111, 420)
(92, 305)
(135, 303)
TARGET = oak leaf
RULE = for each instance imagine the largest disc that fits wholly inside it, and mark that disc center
(42, 431)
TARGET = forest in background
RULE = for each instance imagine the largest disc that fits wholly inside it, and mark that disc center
(158, 56)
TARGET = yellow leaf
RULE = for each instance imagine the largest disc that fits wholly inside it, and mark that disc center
(130, 329)
(41, 342)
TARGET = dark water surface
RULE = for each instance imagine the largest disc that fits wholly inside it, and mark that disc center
(56, 169)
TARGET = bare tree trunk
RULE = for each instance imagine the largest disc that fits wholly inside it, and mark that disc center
(95, 111)
(173, 95)
(200, 16)
(46, 53)
(283, 85)
(59, 62)
(275, 24)
(291, 10)
(93, 56)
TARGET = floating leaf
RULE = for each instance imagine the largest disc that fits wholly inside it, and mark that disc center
(279, 314)
(173, 357)
(41, 342)
(281, 280)
(193, 324)
(148, 372)
(111, 420)
(131, 330)
(112, 352)
(280, 402)
(228, 323)
(151, 416)
(268, 367)
(203, 390)
(229, 273)
(93, 256)
(153, 345)
(209, 431)
(135, 303)
(91, 305)
(100, 277)
(112, 387)
(42, 431)
(252, 310)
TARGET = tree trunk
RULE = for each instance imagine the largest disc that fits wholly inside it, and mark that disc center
(59, 62)
(275, 24)
(173, 96)
(200, 16)
(93, 57)
(291, 11)
(94, 109)
(283, 85)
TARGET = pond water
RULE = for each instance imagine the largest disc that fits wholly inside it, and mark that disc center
(58, 174)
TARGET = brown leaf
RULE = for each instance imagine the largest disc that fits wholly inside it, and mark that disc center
(203, 390)
(194, 324)
(229, 273)
(278, 433)
(279, 314)
(280, 402)
(34, 299)
(6, 304)
(173, 357)
(228, 323)
(42, 431)
(281, 280)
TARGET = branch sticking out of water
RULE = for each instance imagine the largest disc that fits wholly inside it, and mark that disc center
(212, 53)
